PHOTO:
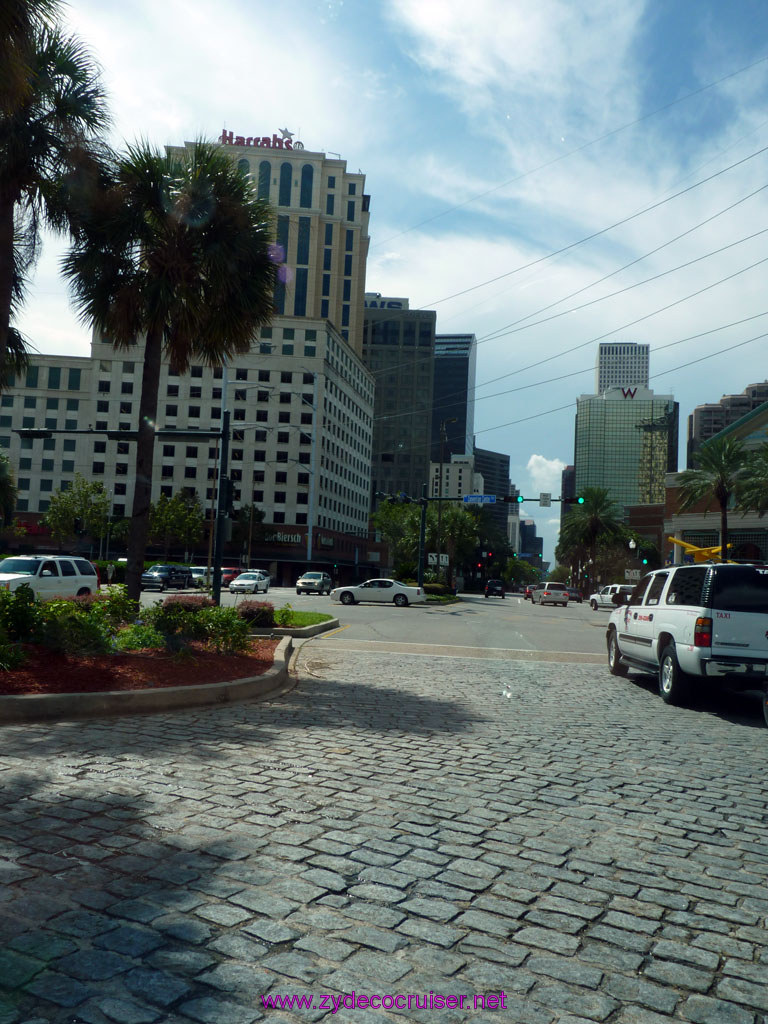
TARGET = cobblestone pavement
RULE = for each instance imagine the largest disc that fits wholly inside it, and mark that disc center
(393, 826)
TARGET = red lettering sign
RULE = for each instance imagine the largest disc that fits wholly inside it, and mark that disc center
(264, 142)
(629, 392)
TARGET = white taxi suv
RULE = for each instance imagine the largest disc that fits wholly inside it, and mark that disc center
(694, 622)
(382, 591)
(49, 576)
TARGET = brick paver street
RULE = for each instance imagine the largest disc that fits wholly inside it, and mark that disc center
(394, 826)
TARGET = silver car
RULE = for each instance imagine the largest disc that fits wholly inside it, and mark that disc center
(314, 583)
(550, 593)
(253, 582)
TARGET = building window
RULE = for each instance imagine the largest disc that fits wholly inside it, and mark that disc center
(190, 472)
(126, 388)
(329, 204)
(350, 241)
(100, 447)
(259, 455)
(241, 374)
(171, 411)
(102, 407)
(166, 472)
(347, 291)
(345, 315)
(97, 468)
(73, 404)
(73, 381)
(47, 465)
(350, 210)
(244, 166)
(305, 195)
(169, 450)
(195, 391)
(194, 412)
(278, 517)
(284, 194)
(30, 403)
(324, 309)
(310, 350)
(32, 375)
(239, 414)
(104, 387)
(265, 172)
(121, 469)
(196, 371)
(331, 181)
(284, 417)
(262, 415)
(167, 492)
(287, 350)
(126, 408)
(69, 444)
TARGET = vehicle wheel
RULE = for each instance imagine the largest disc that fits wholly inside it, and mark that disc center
(298, 592)
(401, 600)
(502, 597)
(593, 605)
(615, 666)
(673, 682)
(162, 588)
(83, 591)
(347, 598)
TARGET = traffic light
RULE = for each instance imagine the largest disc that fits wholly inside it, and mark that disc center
(520, 499)
(645, 561)
(579, 501)
(479, 565)
(514, 554)
(490, 556)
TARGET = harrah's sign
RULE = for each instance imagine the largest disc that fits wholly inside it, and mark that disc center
(230, 139)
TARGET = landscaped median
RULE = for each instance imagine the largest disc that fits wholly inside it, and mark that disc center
(94, 656)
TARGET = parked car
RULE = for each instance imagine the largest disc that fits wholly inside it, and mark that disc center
(494, 588)
(694, 622)
(201, 576)
(49, 576)
(250, 583)
(550, 593)
(382, 590)
(604, 597)
(228, 574)
(162, 577)
(574, 595)
(314, 583)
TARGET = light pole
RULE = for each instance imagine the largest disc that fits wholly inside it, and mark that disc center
(443, 439)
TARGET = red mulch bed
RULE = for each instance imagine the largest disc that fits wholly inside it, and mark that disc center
(43, 672)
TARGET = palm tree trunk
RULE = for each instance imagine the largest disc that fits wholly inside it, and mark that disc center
(145, 456)
(6, 276)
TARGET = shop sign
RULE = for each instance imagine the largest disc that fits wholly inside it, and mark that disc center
(263, 142)
(284, 538)
(326, 542)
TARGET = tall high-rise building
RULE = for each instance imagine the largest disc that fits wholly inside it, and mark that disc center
(707, 420)
(453, 395)
(567, 492)
(626, 441)
(321, 228)
(494, 468)
(621, 364)
(399, 350)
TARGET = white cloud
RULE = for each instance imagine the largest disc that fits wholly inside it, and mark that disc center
(545, 474)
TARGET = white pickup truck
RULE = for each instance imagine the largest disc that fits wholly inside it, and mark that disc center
(604, 597)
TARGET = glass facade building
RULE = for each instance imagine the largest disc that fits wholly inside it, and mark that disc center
(626, 441)
(454, 394)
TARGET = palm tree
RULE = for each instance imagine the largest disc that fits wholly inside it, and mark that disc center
(720, 473)
(753, 491)
(49, 129)
(175, 252)
(598, 518)
(8, 492)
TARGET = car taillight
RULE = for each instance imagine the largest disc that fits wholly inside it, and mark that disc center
(702, 632)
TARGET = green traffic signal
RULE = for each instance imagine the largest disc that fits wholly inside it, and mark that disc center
(520, 498)
(579, 501)
(645, 561)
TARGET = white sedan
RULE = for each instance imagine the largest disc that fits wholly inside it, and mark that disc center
(249, 583)
(388, 591)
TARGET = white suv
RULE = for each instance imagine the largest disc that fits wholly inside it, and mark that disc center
(49, 576)
(604, 598)
(694, 621)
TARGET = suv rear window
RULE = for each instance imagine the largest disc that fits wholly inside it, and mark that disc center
(740, 588)
(86, 569)
(686, 586)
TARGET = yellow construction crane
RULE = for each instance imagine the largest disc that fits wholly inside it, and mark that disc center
(700, 554)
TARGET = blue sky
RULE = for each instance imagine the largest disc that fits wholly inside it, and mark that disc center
(492, 135)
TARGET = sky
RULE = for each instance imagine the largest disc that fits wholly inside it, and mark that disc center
(542, 175)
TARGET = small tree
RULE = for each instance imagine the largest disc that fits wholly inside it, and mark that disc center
(177, 519)
(722, 469)
(81, 508)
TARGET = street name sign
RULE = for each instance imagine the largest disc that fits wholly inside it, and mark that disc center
(633, 574)
(479, 499)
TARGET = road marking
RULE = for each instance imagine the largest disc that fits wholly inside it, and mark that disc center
(332, 632)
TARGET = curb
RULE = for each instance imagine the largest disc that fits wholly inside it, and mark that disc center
(303, 632)
(37, 707)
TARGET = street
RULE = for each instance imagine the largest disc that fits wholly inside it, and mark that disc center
(427, 811)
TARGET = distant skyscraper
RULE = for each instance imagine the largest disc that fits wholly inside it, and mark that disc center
(567, 492)
(626, 441)
(707, 420)
(621, 363)
(494, 467)
(453, 394)
(399, 349)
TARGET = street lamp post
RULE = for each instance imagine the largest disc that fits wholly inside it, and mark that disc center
(443, 439)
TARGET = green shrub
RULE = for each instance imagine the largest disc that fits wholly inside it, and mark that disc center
(177, 624)
(113, 609)
(439, 589)
(20, 614)
(260, 614)
(139, 638)
(192, 602)
(11, 654)
(224, 630)
(66, 630)
(283, 616)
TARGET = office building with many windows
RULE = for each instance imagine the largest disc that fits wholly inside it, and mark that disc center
(399, 350)
(321, 228)
(621, 364)
(626, 442)
(494, 469)
(453, 396)
(707, 420)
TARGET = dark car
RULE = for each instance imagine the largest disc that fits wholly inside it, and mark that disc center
(494, 588)
(574, 595)
(161, 577)
(529, 592)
